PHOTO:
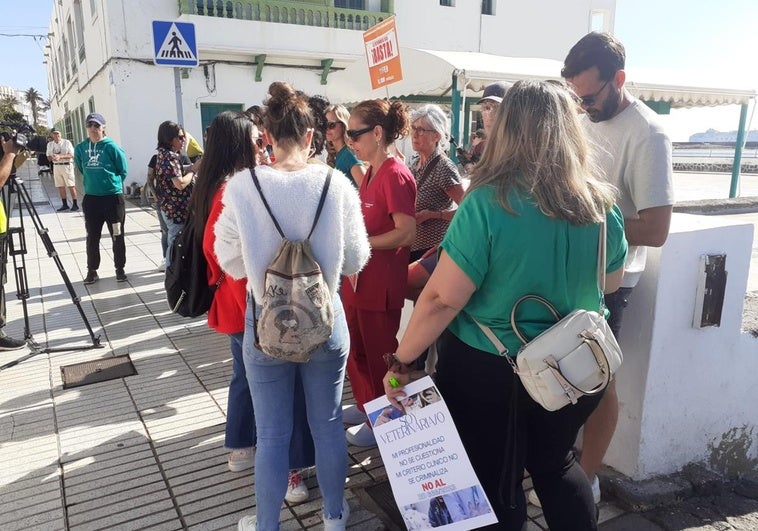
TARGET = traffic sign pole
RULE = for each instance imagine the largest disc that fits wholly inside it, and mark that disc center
(178, 91)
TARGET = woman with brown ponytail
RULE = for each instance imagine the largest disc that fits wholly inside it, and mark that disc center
(374, 299)
(246, 241)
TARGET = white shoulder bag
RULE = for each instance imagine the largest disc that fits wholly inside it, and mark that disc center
(575, 357)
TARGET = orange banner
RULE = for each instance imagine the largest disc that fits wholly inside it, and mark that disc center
(383, 53)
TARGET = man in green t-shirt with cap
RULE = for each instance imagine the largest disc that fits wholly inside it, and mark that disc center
(102, 164)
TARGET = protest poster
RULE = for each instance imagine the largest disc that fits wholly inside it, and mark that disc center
(432, 480)
(383, 53)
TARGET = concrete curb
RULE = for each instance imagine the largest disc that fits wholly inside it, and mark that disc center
(693, 481)
(714, 207)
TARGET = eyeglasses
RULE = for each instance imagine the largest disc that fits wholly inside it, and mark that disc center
(589, 101)
(355, 134)
(181, 137)
(332, 125)
(93, 124)
(420, 130)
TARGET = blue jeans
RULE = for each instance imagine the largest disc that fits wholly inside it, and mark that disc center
(164, 230)
(173, 229)
(240, 418)
(272, 385)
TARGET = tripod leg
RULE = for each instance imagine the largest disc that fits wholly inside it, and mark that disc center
(25, 199)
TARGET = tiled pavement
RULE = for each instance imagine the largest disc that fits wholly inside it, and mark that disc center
(143, 452)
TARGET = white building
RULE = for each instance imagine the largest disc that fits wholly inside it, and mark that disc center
(100, 53)
(22, 106)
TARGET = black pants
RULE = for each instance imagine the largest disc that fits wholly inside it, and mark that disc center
(616, 303)
(3, 275)
(108, 209)
(480, 389)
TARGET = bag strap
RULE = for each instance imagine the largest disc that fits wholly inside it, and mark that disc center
(321, 201)
(431, 165)
(601, 258)
(265, 203)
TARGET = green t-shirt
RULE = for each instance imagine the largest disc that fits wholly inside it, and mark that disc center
(345, 161)
(507, 256)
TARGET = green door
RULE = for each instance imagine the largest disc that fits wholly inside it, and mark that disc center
(208, 112)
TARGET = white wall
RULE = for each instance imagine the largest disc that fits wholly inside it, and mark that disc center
(687, 395)
(135, 96)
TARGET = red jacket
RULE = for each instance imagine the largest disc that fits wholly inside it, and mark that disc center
(227, 312)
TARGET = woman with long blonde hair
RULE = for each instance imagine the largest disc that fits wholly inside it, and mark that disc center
(529, 224)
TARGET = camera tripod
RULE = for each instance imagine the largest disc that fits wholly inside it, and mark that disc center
(15, 195)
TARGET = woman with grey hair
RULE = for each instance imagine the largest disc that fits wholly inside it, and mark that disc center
(437, 178)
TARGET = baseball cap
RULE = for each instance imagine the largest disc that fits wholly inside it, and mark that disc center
(54, 130)
(494, 92)
(95, 117)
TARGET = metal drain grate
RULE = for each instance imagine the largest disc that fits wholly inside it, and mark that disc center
(90, 372)
(378, 498)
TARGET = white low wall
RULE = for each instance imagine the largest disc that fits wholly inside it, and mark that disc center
(686, 394)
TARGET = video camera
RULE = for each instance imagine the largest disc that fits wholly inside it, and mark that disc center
(24, 136)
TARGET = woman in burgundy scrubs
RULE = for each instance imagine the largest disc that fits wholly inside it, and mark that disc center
(374, 299)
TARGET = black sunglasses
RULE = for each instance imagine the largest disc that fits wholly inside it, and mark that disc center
(93, 124)
(332, 125)
(355, 134)
(589, 101)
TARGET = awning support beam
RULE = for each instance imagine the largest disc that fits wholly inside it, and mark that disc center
(455, 114)
(737, 163)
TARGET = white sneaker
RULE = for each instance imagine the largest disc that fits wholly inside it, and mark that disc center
(338, 524)
(534, 499)
(360, 435)
(297, 491)
(246, 523)
(352, 415)
(241, 459)
(162, 266)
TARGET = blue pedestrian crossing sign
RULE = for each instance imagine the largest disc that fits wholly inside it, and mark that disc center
(174, 44)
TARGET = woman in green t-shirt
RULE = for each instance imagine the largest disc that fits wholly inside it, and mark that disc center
(528, 225)
(336, 134)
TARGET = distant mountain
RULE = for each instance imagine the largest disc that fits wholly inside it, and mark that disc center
(711, 135)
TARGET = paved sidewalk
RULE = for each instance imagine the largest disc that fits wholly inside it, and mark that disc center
(143, 452)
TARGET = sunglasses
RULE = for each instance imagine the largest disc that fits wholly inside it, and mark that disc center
(589, 101)
(332, 125)
(181, 137)
(355, 134)
(93, 124)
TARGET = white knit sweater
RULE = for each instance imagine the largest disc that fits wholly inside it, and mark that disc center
(246, 238)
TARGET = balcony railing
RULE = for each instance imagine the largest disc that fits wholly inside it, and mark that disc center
(287, 12)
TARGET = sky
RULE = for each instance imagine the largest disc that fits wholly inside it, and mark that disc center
(714, 41)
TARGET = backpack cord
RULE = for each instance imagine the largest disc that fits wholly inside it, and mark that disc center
(321, 202)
